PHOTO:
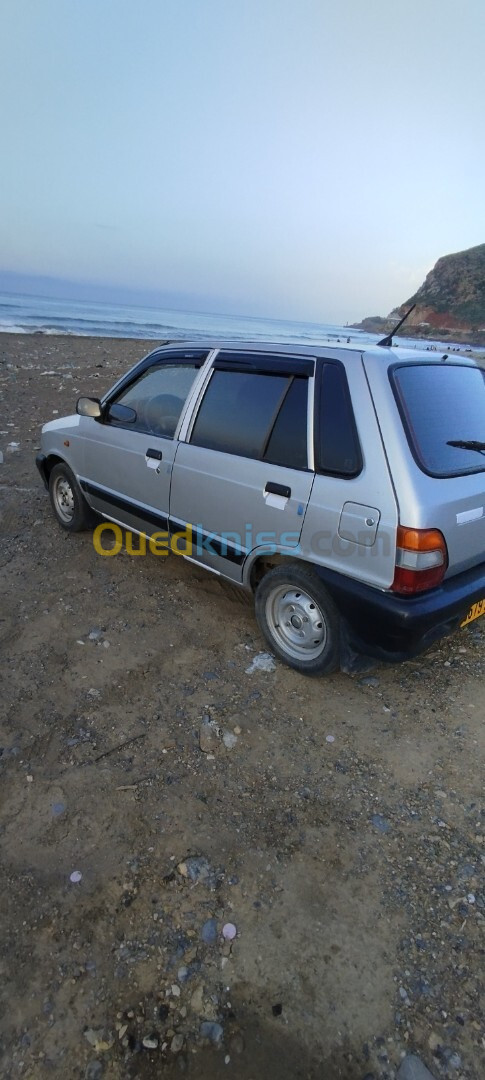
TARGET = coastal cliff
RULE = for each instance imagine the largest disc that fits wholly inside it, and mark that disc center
(450, 304)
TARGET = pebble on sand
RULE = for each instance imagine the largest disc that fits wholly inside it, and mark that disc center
(209, 1029)
(263, 661)
(150, 1042)
(412, 1068)
(209, 932)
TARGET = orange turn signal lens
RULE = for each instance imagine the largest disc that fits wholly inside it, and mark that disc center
(420, 539)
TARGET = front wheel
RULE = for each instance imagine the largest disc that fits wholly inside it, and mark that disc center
(299, 619)
(67, 500)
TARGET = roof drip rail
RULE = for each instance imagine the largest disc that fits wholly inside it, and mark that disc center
(386, 342)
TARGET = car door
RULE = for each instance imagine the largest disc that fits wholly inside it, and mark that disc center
(351, 522)
(242, 478)
(129, 454)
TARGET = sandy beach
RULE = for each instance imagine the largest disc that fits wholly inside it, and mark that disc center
(334, 823)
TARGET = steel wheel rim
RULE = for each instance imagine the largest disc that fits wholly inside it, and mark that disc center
(63, 496)
(296, 622)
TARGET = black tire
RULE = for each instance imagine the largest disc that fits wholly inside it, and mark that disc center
(299, 619)
(67, 500)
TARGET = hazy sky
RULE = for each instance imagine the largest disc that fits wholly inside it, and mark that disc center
(300, 158)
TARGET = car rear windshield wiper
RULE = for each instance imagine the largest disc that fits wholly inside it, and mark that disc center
(467, 444)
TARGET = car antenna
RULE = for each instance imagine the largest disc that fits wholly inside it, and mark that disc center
(387, 341)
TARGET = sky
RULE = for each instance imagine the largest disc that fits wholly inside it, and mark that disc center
(302, 159)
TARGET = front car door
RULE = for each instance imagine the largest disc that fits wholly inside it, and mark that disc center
(129, 454)
(242, 479)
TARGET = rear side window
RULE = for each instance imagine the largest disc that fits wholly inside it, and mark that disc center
(256, 416)
(287, 443)
(337, 447)
(440, 403)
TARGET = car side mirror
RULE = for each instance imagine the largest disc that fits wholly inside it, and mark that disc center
(122, 413)
(87, 406)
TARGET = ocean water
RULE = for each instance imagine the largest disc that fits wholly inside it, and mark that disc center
(22, 314)
(36, 314)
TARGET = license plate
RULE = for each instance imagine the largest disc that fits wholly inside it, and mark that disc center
(474, 613)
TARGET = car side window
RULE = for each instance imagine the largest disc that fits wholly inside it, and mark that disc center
(246, 413)
(287, 444)
(157, 397)
(336, 440)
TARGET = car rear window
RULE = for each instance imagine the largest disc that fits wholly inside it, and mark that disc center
(440, 403)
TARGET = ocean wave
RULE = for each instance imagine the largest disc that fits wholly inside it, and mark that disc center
(139, 332)
(50, 330)
(12, 328)
(23, 328)
(83, 327)
(79, 323)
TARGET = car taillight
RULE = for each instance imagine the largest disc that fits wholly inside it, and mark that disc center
(421, 559)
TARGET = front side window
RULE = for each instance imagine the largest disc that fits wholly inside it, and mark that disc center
(441, 404)
(157, 398)
(255, 415)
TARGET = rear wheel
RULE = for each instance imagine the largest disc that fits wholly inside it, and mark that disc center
(67, 500)
(299, 619)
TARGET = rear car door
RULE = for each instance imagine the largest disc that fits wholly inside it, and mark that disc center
(128, 456)
(352, 518)
(242, 480)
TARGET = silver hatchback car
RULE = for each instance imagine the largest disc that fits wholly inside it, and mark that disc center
(344, 487)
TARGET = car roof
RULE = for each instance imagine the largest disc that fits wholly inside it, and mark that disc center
(332, 350)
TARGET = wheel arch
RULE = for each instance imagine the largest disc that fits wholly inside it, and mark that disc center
(258, 565)
(49, 463)
(45, 464)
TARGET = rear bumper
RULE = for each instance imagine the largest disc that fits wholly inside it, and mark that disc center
(392, 627)
(40, 461)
